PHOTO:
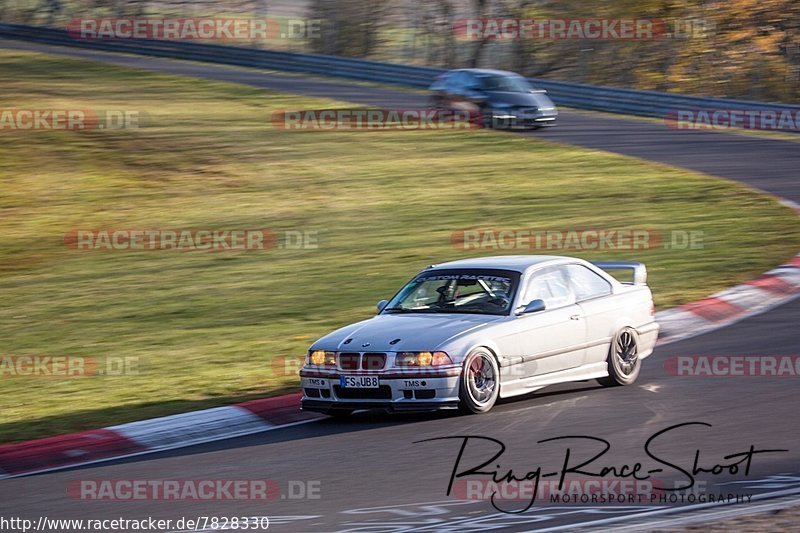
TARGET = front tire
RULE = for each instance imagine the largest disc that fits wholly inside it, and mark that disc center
(624, 364)
(479, 386)
(487, 117)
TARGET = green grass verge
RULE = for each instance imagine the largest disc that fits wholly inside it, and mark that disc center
(206, 325)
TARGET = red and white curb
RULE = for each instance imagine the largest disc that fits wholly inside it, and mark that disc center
(754, 297)
(149, 436)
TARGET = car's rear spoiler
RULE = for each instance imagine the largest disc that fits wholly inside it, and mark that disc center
(638, 270)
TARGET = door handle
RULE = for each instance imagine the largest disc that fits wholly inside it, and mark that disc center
(575, 317)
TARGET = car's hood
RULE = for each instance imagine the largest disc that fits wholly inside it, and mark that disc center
(540, 100)
(415, 332)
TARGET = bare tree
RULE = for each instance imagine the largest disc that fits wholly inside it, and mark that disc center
(481, 8)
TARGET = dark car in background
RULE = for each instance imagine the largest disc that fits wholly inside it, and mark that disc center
(500, 98)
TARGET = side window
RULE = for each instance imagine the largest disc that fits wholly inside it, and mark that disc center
(456, 82)
(469, 81)
(586, 283)
(551, 286)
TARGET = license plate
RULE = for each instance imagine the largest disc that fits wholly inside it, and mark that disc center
(358, 382)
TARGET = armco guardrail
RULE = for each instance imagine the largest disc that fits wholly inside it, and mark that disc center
(608, 99)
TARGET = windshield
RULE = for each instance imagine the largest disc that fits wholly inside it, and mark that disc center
(510, 84)
(481, 291)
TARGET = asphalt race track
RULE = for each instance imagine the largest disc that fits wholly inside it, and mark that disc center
(371, 474)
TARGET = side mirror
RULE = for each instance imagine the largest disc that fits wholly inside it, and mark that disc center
(533, 307)
(381, 305)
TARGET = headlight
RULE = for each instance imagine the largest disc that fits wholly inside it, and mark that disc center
(420, 359)
(503, 111)
(321, 358)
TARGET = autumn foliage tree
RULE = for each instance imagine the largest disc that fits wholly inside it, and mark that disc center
(731, 48)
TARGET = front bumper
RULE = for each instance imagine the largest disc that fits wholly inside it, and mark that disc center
(520, 121)
(397, 391)
(328, 407)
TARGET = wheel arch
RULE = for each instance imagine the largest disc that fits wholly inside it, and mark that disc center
(487, 345)
(621, 323)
